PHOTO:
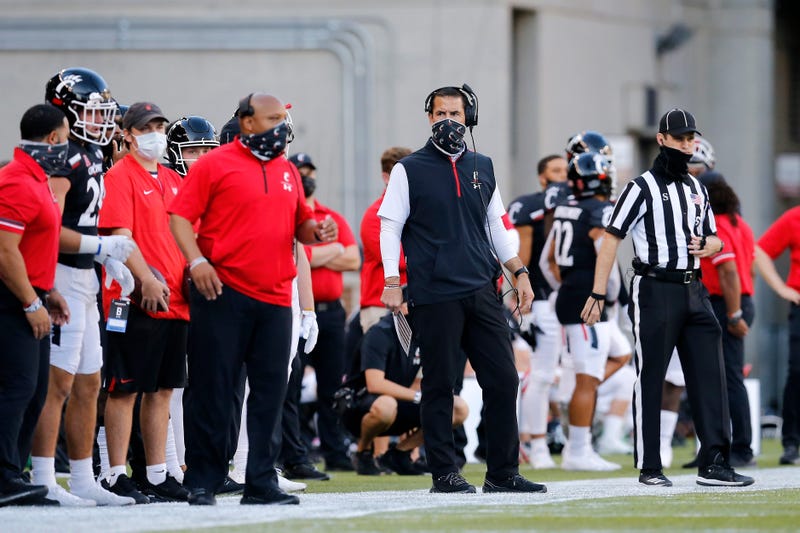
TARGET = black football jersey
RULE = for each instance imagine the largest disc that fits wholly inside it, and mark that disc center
(575, 252)
(529, 210)
(84, 198)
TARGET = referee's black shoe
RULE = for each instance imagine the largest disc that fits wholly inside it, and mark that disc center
(654, 478)
(304, 471)
(201, 497)
(273, 496)
(515, 483)
(721, 474)
(452, 483)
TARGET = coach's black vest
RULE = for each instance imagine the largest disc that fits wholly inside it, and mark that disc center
(447, 251)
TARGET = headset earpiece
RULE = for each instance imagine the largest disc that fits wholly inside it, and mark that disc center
(245, 109)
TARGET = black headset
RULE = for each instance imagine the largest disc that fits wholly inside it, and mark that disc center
(245, 109)
(470, 100)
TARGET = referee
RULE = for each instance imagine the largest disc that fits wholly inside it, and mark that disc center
(673, 227)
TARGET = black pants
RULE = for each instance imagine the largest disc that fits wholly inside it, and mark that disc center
(791, 392)
(327, 358)
(292, 446)
(666, 315)
(226, 332)
(476, 324)
(24, 373)
(733, 353)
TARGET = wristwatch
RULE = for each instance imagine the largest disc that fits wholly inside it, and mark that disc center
(34, 306)
(521, 271)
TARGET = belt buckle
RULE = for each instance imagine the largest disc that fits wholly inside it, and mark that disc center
(687, 277)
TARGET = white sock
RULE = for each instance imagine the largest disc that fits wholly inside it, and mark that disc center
(102, 446)
(173, 467)
(243, 445)
(114, 472)
(157, 474)
(81, 473)
(612, 427)
(43, 471)
(539, 444)
(176, 417)
(669, 419)
(578, 439)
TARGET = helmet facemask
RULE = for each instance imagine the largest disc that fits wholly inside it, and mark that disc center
(93, 120)
(176, 153)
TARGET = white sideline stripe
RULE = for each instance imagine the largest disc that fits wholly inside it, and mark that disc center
(228, 512)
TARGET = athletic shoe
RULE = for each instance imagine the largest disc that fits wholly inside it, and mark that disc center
(399, 461)
(541, 460)
(230, 486)
(612, 446)
(790, 455)
(168, 490)
(452, 483)
(287, 485)
(654, 478)
(421, 464)
(125, 487)
(515, 483)
(101, 496)
(722, 475)
(201, 497)
(589, 461)
(64, 498)
(365, 464)
(304, 471)
(339, 464)
(666, 455)
(14, 491)
(270, 497)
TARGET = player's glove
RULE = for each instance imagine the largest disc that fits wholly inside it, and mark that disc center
(117, 246)
(309, 330)
(117, 271)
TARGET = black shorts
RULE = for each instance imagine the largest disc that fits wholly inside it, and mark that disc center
(150, 355)
(406, 420)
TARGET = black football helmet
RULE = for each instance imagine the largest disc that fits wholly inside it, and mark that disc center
(587, 141)
(83, 96)
(589, 174)
(188, 132)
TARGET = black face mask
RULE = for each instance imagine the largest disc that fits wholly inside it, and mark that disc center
(51, 157)
(675, 162)
(449, 135)
(309, 185)
(269, 144)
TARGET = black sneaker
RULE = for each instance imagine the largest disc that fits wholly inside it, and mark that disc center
(452, 482)
(125, 487)
(515, 483)
(273, 496)
(201, 497)
(790, 455)
(170, 490)
(339, 464)
(654, 478)
(421, 464)
(304, 471)
(229, 486)
(14, 491)
(720, 474)
(399, 461)
(365, 464)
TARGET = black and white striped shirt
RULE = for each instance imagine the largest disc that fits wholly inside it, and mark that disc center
(663, 215)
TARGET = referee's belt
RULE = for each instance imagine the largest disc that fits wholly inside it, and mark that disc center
(327, 306)
(672, 276)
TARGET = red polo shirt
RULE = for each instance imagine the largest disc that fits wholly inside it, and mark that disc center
(249, 211)
(372, 278)
(328, 285)
(782, 234)
(28, 208)
(739, 247)
(137, 201)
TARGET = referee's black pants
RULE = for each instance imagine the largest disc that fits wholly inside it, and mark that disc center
(666, 315)
(225, 333)
(476, 324)
(733, 353)
(24, 373)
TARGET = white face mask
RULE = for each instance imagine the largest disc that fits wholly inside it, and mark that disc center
(151, 146)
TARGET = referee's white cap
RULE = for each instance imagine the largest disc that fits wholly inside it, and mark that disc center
(677, 122)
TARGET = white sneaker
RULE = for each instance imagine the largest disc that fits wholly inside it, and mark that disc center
(60, 494)
(666, 456)
(288, 485)
(588, 461)
(613, 446)
(101, 496)
(541, 460)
